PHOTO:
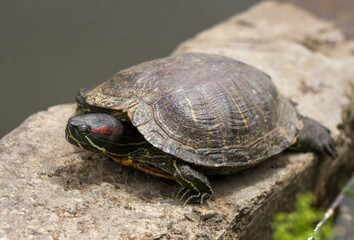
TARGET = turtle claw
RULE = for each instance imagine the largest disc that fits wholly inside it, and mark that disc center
(191, 196)
(196, 197)
(185, 194)
(204, 197)
(331, 150)
(328, 148)
(180, 191)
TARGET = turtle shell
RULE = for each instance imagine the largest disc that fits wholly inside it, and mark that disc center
(207, 110)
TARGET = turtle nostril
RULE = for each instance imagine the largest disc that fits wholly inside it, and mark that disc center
(73, 122)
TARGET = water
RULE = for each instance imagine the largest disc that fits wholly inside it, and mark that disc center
(49, 49)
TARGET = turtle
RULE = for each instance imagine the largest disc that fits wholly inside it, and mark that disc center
(191, 115)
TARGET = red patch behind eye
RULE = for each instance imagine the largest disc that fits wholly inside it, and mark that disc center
(105, 130)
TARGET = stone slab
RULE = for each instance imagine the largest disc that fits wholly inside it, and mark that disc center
(52, 190)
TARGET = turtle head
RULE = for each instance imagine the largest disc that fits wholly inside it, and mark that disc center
(95, 132)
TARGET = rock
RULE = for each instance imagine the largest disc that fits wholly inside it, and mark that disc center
(50, 189)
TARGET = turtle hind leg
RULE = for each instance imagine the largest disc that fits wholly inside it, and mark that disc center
(316, 138)
(195, 187)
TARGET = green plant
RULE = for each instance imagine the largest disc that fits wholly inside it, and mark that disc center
(300, 224)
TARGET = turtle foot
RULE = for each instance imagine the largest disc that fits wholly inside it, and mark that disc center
(191, 196)
(327, 146)
(195, 187)
(315, 137)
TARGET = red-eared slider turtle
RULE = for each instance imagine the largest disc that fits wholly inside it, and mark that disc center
(192, 114)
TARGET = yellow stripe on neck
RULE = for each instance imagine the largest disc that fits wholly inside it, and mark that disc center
(94, 145)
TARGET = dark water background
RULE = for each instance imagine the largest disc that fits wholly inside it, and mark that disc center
(49, 48)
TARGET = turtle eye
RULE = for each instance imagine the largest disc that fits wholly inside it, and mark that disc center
(84, 129)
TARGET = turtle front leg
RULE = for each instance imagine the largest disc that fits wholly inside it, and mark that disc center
(195, 187)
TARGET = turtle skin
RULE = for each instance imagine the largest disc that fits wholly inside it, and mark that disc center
(205, 114)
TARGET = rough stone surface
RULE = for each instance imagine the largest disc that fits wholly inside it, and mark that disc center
(52, 190)
(340, 12)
